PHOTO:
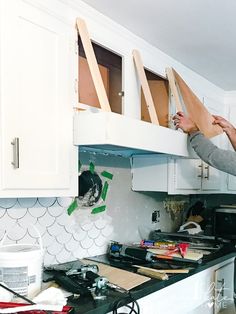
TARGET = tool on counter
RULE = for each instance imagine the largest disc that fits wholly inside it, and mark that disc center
(119, 250)
(83, 281)
(171, 246)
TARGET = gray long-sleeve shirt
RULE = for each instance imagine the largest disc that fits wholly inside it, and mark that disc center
(224, 160)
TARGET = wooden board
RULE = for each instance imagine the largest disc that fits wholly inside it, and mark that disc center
(160, 95)
(120, 277)
(174, 89)
(190, 254)
(87, 91)
(146, 90)
(93, 65)
(196, 110)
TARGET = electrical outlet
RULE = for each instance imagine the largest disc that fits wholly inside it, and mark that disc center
(155, 216)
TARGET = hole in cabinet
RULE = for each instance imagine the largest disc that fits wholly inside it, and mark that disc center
(159, 88)
(110, 66)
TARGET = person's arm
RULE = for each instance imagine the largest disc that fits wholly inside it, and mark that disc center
(224, 160)
(228, 128)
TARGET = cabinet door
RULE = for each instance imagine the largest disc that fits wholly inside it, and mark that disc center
(149, 173)
(211, 178)
(224, 288)
(188, 174)
(37, 98)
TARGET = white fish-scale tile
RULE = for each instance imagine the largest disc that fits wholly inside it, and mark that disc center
(101, 241)
(46, 201)
(64, 256)
(27, 220)
(80, 253)
(79, 234)
(7, 223)
(49, 259)
(27, 202)
(86, 243)
(3, 212)
(47, 239)
(16, 233)
(17, 213)
(55, 248)
(72, 244)
(86, 225)
(8, 202)
(107, 231)
(8, 241)
(64, 237)
(71, 227)
(46, 220)
(55, 229)
(37, 211)
(64, 201)
(27, 239)
(96, 250)
(94, 232)
(41, 229)
(56, 210)
(100, 223)
(2, 233)
(65, 219)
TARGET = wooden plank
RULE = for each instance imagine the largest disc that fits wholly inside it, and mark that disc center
(160, 95)
(146, 90)
(174, 89)
(120, 277)
(196, 110)
(93, 65)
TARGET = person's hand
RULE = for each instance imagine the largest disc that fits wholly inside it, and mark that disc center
(184, 123)
(227, 127)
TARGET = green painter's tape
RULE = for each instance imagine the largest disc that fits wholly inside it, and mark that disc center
(104, 191)
(99, 209)
(91, 167)
(72, 207)
(107, 175)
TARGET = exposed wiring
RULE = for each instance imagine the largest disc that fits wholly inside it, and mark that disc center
(134, 307)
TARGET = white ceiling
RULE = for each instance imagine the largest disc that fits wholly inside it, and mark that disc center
(200, 34)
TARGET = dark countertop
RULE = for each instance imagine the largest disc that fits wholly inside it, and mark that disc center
(86, 305)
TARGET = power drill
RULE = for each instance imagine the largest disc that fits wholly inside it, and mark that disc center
(119, 251)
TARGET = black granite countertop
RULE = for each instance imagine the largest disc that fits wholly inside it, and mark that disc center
(86, 305)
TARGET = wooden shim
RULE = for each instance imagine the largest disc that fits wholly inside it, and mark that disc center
(93, 65)
(173, 89)
(146, 90)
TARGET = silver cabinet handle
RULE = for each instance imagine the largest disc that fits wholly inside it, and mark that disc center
(207, 176)
(201, 173)
(16, 146)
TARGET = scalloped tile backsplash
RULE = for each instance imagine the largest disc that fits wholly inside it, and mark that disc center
(127, 217)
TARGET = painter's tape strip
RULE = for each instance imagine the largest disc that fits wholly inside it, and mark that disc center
(91, 167)
(107, 175)
(104, 191)
(79, 165)
(72, 207)
(99, 209)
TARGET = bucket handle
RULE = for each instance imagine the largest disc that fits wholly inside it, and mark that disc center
(35, 229)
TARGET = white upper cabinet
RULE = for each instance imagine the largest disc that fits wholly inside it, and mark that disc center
(38, 64)
(174, 175)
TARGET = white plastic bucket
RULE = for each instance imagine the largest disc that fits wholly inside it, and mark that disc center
(21, 268)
